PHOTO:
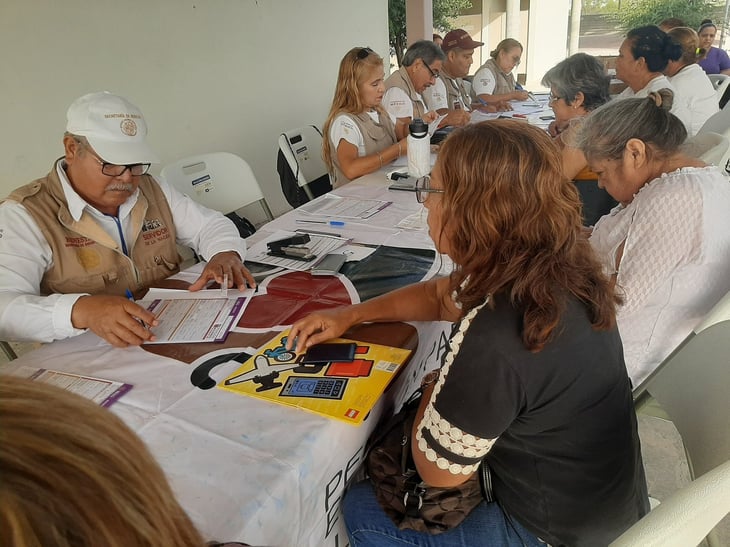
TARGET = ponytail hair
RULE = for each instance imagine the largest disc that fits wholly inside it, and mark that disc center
(606, 131)
(653, 44)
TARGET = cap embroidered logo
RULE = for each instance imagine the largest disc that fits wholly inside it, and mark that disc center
(128, 127)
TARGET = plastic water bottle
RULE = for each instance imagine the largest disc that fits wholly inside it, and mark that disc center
(419, 149)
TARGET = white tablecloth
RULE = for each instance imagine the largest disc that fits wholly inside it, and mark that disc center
(245, 469)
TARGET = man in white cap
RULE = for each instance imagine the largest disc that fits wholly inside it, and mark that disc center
(75, 244)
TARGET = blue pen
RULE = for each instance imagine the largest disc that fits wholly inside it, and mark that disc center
(338, 223)
(130, 297)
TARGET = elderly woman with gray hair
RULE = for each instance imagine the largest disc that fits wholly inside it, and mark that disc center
(578, 85)
(421, 68)
(667, 245)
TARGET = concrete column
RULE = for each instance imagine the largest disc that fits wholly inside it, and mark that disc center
(419, 20)
(513, 20)
(576, 8)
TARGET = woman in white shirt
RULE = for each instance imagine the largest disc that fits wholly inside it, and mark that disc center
(494, 82)
(360, 134)
(692, 85)
(642, 59)
(667, 244)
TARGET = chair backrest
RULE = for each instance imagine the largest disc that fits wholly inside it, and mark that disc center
(720, 82)
(710, 147)
(719, 123)
(302, 149)
(691, 385)
(8, 351)
(218, 180)
(686, 517)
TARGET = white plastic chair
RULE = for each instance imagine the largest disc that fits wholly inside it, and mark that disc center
(691, 385)
(719, 123)
(302, 149)
(720, 82)
(8, 351)
(711, 148)
(686, 517)
(218, 180)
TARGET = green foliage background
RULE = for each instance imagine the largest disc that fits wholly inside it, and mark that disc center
(636, 13)
(444, 11)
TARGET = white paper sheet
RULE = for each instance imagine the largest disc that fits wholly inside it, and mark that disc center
(185, 317)
(337, 207)
(318, 245)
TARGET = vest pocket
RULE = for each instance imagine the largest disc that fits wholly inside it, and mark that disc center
(162, 269)
(92, 284)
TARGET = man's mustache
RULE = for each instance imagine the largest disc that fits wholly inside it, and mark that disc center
(121, 187)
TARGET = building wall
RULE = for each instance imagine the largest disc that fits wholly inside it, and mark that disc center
(543, 31)
(208, 74)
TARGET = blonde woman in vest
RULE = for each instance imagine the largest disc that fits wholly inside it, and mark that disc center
(690, 81)
(360, 134)
(494, 82)
(97, 227)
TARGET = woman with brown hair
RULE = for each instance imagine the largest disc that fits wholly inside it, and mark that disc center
(692, 85)
(359, 135)
(73, 475)
(533, 383)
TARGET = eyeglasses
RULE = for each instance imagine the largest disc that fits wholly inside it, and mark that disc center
(434, 75)
(364, 52)
(553, 98)
(114, 170)
(423, 189)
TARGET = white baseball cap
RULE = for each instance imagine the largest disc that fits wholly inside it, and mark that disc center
(114, 127)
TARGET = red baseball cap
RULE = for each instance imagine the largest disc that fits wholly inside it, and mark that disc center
(459, 38)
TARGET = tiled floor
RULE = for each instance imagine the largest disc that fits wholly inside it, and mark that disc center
(664, 458)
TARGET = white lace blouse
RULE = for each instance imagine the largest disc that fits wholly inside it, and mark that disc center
(675, 264)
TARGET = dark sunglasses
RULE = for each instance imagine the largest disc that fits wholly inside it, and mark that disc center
(364, 52)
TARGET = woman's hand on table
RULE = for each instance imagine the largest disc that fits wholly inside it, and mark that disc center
(116, 319)
(229, 264)
(319, 327)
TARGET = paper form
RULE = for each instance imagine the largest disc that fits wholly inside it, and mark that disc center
(186, 317)
(338, 207)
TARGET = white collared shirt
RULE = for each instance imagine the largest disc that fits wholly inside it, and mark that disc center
(25, 256)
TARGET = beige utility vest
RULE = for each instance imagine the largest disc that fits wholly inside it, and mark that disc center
(85, 258)
(455, 92)
(401, 80)
(376, 137)
(504, 83)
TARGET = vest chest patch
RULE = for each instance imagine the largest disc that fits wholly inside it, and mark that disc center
(89, 258)
(79, 241)
(154, 231)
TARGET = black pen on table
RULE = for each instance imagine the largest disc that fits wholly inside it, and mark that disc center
(130, 297)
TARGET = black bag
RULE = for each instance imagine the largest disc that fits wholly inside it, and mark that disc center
(244, 226)
(294, 193)
(405, 498)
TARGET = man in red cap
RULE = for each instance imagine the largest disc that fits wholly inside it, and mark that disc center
(450, 95)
